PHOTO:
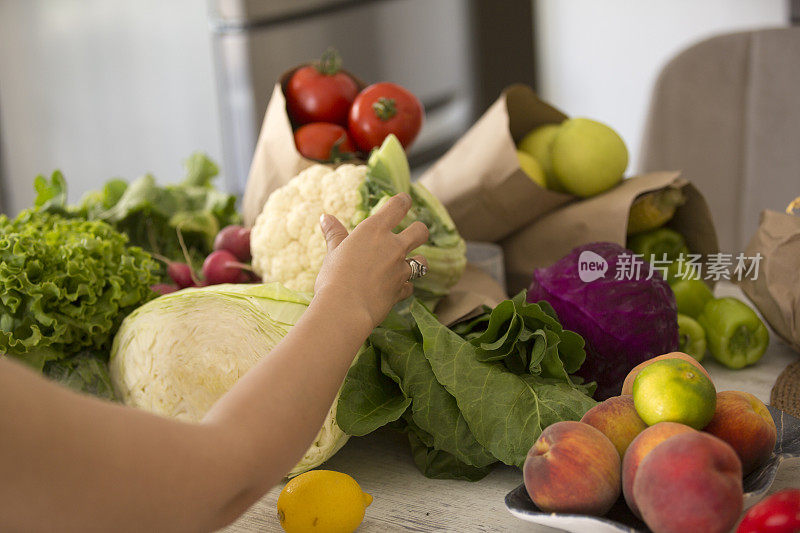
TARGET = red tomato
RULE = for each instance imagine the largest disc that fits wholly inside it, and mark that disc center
(324, 142)
(321, 92)
(780, 513)
(381, 109)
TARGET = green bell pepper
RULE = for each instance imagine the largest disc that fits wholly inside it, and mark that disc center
(691, 337)
(659, 243)
(691, 296)
(735, 335)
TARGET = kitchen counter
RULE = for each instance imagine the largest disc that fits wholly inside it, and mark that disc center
(405, 500)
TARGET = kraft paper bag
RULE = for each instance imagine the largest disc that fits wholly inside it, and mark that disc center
(276, 159)
(475, 289)
(776, 288)
(603, 218)
(479, 179)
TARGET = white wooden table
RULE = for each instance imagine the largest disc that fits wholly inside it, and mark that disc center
(405, 500)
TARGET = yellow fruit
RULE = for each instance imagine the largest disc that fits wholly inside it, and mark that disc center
(674, 390)
(322, 501)
(654, 209)
(588, 157)
(537, 143)
(534, 171)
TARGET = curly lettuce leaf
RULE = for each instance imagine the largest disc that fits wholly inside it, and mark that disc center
(66, 285)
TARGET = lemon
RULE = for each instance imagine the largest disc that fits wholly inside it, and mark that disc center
(537, 143)
(322, 501)
(674, 390)
(533, 169)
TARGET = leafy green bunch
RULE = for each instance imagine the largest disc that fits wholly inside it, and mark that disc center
(154, 217)
(65, 285)
(469, 396)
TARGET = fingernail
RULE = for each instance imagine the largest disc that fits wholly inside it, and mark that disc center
(406, 197)
(324, 222)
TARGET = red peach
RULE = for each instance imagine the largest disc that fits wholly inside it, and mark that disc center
(745, 423)
(573, 468)
(642, 445)
(690, 482)
(618, 420)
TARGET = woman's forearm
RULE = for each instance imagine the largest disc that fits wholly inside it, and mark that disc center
(69, 462)
(278, 407)
(100, 466)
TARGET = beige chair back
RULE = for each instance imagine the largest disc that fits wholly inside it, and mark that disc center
(727, 113)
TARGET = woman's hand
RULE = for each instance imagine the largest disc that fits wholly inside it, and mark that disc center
(367, 269)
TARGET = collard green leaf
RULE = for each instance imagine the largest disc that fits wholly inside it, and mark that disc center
(438, 464)
(527, 338)
(368, 398)
(506, 412)
(433, 409)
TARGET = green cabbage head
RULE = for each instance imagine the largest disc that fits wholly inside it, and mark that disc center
(178, 354)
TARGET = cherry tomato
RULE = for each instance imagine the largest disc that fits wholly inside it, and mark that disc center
(324, 142)
(321, 92)
(780, 513)
(381, 109)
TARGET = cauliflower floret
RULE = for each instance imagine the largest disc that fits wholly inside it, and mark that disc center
(286, 242)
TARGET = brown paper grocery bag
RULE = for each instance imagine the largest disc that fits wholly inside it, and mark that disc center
(776, 288)
(475, 289)
(479, 180)
(603, 218)
(276, 159)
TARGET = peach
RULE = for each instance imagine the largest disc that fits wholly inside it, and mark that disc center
(642, 445)
(690, 482)
(745, 423)
(618, 420)
(627, 385)
(573, 468)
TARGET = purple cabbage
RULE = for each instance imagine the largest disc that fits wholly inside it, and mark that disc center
(624, 321)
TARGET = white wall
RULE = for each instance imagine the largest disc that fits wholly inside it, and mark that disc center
(103, 88)
(599, 59)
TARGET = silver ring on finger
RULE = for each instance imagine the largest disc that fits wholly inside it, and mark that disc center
(418, 269)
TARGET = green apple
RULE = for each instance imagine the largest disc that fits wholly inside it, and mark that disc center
(588, 157)
(532, 168)
(538, 143)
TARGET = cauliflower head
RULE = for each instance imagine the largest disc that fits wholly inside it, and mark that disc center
(287, 243)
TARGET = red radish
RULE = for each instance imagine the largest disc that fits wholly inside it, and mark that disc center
(236, 240)
(221, 266)
(163, 288)
(181, 274)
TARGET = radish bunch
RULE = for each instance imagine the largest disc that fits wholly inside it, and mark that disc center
(228, 263)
